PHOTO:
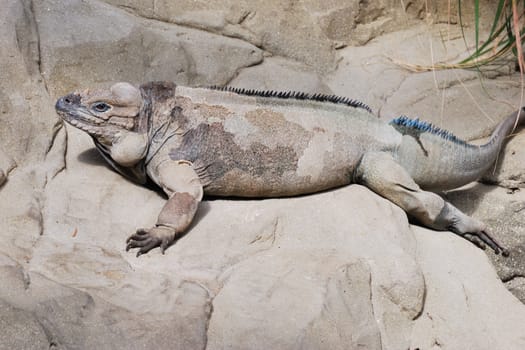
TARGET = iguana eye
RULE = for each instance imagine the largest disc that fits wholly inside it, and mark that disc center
(100, 107)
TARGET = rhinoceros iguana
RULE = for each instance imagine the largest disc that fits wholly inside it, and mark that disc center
(247, 143)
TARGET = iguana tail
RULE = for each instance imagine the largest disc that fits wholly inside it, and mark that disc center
(438, 160)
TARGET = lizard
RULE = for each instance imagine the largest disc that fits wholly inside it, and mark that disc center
(226, 141)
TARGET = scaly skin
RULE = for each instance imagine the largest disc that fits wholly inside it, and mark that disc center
(193, 142)
(437, 165)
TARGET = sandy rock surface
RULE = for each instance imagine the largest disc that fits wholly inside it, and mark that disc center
(342, 269)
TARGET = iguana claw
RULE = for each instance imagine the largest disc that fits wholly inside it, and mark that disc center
(482, 238)
(147, 239)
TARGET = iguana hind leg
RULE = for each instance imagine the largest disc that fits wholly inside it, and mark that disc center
(383, 175)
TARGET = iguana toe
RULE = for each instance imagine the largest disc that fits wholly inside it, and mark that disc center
(493, 244)
(147, 239)
(482, 238)
(474, 239)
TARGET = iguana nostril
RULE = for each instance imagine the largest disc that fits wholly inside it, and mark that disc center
(69, 100)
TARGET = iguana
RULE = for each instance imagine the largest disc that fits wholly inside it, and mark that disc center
(249, 143)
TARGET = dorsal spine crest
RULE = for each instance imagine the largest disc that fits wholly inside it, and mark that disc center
(423, 126)
(295, 95)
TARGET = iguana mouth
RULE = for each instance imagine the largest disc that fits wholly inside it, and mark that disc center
(79, 119)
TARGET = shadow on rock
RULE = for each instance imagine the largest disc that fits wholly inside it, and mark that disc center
(93, 157)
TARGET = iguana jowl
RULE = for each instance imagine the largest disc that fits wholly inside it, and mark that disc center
(234, 142)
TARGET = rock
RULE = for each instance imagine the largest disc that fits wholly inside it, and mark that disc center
(276, 73)
(456, 285)
(503, 212)
(510, 169)
(516, 285)
(416, 95)
(135, 50)
(21, 329)
(28, 121)
(26, 115)
(362, 69)
(423, 95)
(333, 280)
(425, 101)
(308, 31)
(218, 265)
(38, 313)
(254, 22)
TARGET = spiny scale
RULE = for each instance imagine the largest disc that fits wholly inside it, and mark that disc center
(420, 125)
(296, 95)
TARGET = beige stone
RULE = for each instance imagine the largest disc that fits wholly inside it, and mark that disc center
(510, 169)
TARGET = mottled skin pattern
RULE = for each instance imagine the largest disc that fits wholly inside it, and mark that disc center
(193, 142)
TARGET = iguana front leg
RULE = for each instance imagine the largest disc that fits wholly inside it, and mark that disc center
(382, 174)
(184, 189)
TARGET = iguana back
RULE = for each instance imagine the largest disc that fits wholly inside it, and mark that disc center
(249, 143)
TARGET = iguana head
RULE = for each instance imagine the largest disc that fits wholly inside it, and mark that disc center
(113, 118)
(102, 113)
